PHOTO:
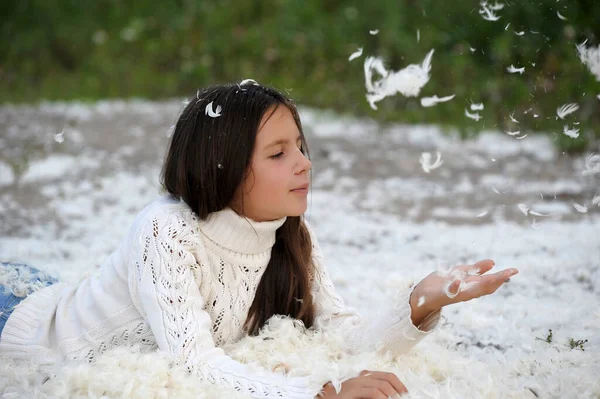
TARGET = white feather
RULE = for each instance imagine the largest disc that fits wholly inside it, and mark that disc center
(59, 137)
(426, 164)
(408, 81)
(374, 31)
(523, 208)
(488, 12)
(475, 116)
(590, 57)
(213, 113)
(561, 16)
(356, 54)
(520, 33)
(514, 69)
(431, 101)
(513, 133)
(596, 200)
(592, 165)
(521, 137)
(580, 208)
(477, 107)
(573, 133)
(512, 118)
(248, 81)
(566, 109)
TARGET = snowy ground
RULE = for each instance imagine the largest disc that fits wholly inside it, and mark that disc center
(67, 200)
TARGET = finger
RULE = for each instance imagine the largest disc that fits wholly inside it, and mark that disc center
(478, 268)
(483, 266)
(490, 283)
(505, 275)
(392, 379)
(371, 393)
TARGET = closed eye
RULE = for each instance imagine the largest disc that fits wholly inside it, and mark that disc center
(278, 155)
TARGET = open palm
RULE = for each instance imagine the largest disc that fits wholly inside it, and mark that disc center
(460, 284)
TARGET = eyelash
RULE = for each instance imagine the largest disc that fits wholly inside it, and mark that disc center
(280, 154)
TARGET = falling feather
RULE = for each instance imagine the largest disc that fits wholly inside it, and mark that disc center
(592, 165)
(506, 27)
(596, 200)
(248, 81)
(521, 137)
(534, 213)
(523, 208)
(431, 101)
(513, 133)
(566, 109)
(513, 69)
(590, 57)
(418, 35)
(356, 54)
(482, 214)
(561, 16)
(59, 137)
(573, 133)
(213, 113)
(520, 33)
(476, 117)
(407, 81)
(374, 31)
(425, 161)
(512, 118)
(477, 107)
(580, 208)
(488, 12)
(497, 6)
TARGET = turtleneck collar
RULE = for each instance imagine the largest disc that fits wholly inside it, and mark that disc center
(240, 234)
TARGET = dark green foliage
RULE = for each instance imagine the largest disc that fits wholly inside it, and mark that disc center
(82, 49)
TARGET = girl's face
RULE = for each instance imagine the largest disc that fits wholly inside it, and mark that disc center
(276, 184)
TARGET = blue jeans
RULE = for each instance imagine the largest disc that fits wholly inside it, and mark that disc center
(17, 281)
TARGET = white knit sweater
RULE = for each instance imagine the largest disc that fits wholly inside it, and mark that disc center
(184, 286)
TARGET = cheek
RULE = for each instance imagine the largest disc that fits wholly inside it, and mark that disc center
(270, 184)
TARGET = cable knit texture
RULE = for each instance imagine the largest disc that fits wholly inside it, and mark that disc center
(184, 286)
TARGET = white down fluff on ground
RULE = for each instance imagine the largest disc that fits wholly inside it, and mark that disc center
(75, 200)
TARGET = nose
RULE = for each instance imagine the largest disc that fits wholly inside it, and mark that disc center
(304, 165)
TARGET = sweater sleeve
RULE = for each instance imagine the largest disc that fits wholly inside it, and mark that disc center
(169, 298)
(393, 330)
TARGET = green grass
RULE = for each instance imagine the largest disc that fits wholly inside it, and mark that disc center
(84, 50)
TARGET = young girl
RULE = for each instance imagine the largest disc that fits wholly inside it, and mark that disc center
(225, 249)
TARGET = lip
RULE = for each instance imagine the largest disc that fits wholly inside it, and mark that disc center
(302, 188)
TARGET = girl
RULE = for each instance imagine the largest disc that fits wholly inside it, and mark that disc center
(225, 249)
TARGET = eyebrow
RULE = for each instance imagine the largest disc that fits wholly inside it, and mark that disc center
(281, 141)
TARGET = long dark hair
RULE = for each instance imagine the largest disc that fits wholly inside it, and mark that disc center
(208, 159)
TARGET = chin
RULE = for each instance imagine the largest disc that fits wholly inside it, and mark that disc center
(296, 211)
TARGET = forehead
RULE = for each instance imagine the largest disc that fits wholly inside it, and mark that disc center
(278, 124)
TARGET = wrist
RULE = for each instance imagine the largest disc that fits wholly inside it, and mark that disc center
(418, 313)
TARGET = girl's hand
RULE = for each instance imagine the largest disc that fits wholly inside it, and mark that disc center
(369, 385)
(459, 284)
